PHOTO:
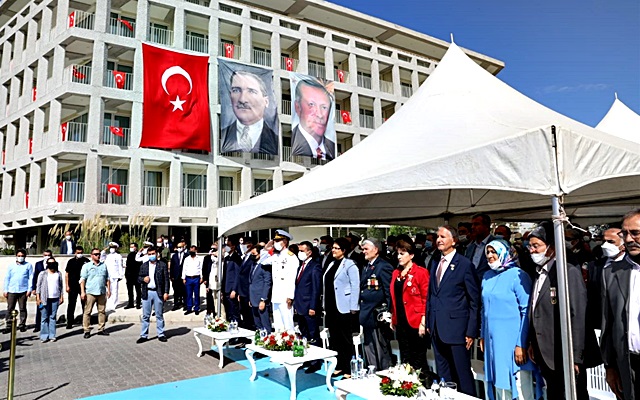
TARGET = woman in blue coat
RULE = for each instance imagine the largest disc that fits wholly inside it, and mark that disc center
(505, 325)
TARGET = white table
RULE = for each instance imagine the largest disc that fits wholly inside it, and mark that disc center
(369, 388)
(220, 339)
(292, 363)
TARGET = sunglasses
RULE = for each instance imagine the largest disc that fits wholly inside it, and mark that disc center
(95, 254)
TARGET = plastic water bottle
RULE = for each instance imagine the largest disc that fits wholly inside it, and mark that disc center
(360, 366)
(354, 367)
(435, 387)
(442, 382)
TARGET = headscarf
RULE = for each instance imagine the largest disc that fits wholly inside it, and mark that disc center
(507, 255)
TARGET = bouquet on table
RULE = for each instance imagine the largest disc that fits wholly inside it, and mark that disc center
(215, 324)
(401, 380)
(279, 341)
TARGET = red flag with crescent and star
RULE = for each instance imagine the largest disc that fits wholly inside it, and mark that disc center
(114, 189)
(175, 113)
(60, 187)
(126, 23)
(119, 77)
(288, 63)
(116, 130)
(229, 50)
(341, 76)
(26, 199)
(346, 117)
(72, 19)
(63, 129)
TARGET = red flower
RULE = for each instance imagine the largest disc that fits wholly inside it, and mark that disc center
(386, 380)
(289, 343)
(407, 385)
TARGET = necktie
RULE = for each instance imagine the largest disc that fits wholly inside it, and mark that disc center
(244, 142)
(300, 273)
(440, 269)
(319, 153)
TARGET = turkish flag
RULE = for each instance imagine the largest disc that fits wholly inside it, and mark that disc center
(116, 130)
(288, 63)
(341, 76)
(115, 189)
(30, 146)
(175, 113)
(228, 50)
(78, 74)
(4, 156)
(346, 117)
(60, 188)
(26, 199)
(126, 23)
(72, 19)
(63, 129)
(120, 78)
(33, 93)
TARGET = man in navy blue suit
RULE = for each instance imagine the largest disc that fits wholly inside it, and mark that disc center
(259, 287)
(481, 231)
(246, 313)
(306, 299)
(452, 311)
(230, 281)
(175, 274)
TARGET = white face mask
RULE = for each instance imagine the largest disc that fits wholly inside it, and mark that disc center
(610, 250)
(20, 259)
(390, 249)
(278, 246)
(322, 247)
(79, 255)
(68, 237)
(166, 241)
(302, 256)
(132, 249)
(227, 249)
(418, 246)
(112, 250)
(159, 244)
(462, 238)
(539, 258)
(45, 258)
(244, 248)
(495, 265)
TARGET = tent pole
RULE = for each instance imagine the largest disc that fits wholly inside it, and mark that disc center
(220, 277)
(563, 297)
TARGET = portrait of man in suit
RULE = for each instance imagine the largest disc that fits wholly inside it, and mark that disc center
(251, 128)
(313, 105)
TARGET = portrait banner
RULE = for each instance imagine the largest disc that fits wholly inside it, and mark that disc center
(313, 131)
(248, 110)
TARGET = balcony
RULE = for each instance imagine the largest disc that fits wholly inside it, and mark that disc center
(228, 198)
(81, 19)
(339, 119)
(386, 86)
(286, 153)
(366, 121)
(72, 192)
(78, 74)
(197, 43)
(340, 76)
(113, 82)
(317, 70)
(262, 156)
(364, 81)
(76, 132)
(154, 196)
(107, 197)
(289, 64)
(261, 57)
(122, 27)
(229, 50)
(161, 35)
(110, 135)
(286, 107)
(406, 91)
(194, 198)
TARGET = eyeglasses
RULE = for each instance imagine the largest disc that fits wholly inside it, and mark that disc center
(535, 246)
(336, 248)
(95, 254)
(635, 233)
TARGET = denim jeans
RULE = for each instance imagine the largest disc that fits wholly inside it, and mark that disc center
(152, 300)
(48, 319)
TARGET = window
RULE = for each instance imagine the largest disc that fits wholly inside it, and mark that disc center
(226, 183)
(75, 175)
(262, 186)
(193, 181)
(153, 178)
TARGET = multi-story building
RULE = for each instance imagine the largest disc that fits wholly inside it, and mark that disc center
(59, 102)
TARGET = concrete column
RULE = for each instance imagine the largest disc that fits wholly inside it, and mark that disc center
(328, 63)
(397, 107)
(103, 15)
(246, 184)
(34, 184)
(415, 82)
(98, 63)
(45, 24)
(377, 112)
(275, 51)
(10, 148)
(62, 18)
(7, 51)
(278, 179)
(353, 70)
(136, 168)
(58, 66)
(136, 123)
(14, 99)
(214, 35)
(38, 130)
(212, 189)
(92, 179)
(175, 187)
(27, 86)
(303, 52)
(50, 180)
(375, 76)
(142, 20)
(96, 119)
(179, 26)
(41, 78)
(194, 234)
(4, 101)
(7, 182)
(246, 47)
(355, 109)
(19, 46)
(23, 139)
(32, 33)
(395, 75)
(21, 188)
(55, 130)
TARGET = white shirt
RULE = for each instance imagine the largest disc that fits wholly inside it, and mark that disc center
(284, 268)
(445, 265)
(479, 251)
(544, 272)
(113, 261)
(255, 131)
(53, 291)
(69, 246)
(152, 276)
(313, 143)
(142, 256)
(192, 266)
(634, 308)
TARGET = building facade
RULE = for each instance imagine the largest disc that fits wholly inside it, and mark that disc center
(70, 130)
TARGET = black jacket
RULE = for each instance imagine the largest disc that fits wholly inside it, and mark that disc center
(132, 268)
(161, 278)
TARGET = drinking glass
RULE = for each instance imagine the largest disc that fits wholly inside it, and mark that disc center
(372, 371)
(448, 391)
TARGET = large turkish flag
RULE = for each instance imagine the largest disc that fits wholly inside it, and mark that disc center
(176, 100)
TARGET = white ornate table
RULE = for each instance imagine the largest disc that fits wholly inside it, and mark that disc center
(292, 363)
(369, 388)
(220, 339)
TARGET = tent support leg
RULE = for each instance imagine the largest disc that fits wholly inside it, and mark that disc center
(563, 295)
(220, 277)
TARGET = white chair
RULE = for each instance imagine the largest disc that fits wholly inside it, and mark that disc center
(358, 342)
(324, 336)
(477, 368)
(596, 380)
(431, 360)
(395, 350)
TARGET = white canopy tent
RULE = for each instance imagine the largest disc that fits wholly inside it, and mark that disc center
(621, 121)
(464, 143)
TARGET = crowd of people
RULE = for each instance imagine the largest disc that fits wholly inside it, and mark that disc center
(441, 290)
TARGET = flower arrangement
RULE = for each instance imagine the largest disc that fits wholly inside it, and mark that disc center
(401, 380)
(215, 324)
(278, 341)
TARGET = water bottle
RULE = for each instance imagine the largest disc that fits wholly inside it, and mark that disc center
(354, 367)
(435, 387)
(360, 366)
(442, 382)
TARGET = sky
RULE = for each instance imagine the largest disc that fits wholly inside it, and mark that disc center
(569, 55)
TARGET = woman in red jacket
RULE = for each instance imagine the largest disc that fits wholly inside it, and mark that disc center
(409, 285)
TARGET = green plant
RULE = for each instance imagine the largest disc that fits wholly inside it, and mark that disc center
(56, 233)
(409, 230)
(95, 232)
(8, 251)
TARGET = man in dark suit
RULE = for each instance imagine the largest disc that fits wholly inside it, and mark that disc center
(246, 313)
(306, 299)
(131, 272)
(230, 281)
(481, 231)
(313, 105)
(177, 260)
(326, 256)
(38, 268)
(620, 340)
(249, 133)
(72, 281)
(154, 281)
(68, 245)
(375, 281)
(452, 311)
(259, 287)
(210, 263)
(545, 333)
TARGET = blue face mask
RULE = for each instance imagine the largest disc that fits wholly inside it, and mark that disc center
(499, 236)
(153, 257)
(428, 244)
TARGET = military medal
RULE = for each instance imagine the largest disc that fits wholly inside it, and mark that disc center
(554, 297)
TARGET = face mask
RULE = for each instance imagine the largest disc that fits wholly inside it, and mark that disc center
(166, 241)
(214, 250)
(390, 249)
(153, 258)
(180, 249)
(315, 244)
(45, 258)
(495, 265)
(159, 244)
(419, 246)
(278, 246)
(586, 238)
(428, 244)
(568, 244)
(192, 253)
(227, 249)
(52, 266)
(79, 255)
(610, 250)
(244, 248)
(322, 247)
(112, 250)
(302, 256)
(462, 238)
(68, 237)
(132, 249)
(499, 237)
(539, 258)
(20, 259)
